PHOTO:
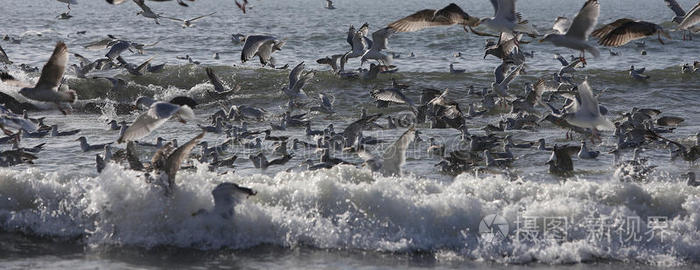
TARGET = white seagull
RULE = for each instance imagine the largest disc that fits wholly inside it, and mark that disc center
(389, 164)
(576, 36)
(156, 116)
(505, 19)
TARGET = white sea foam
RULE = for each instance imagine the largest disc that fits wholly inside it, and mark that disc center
(350, 208)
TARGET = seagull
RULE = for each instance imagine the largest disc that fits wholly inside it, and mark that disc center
(146, 11)
(4, 58)
(156, 116)
(69, 2)
(329, 60)
(450, 15)
(359, 44)
(86, 147)
(188, 22)
(380, 41)
(166, 165)
(585, 154)
(56, 133)
(453, 70)
(238, 38)
(261, 46)
(685, 20)
(638, 73)
(325, 105)
(241, 5)
(395, 95)
(506, 19)
(297, 80)
(329, 4)
(226, 196)
(47, 89)
(584, 111)
(622, 31)
(500, 86)
(261, 162)
(560, 162)
(581, 27)
(220, 91)
(389, 164)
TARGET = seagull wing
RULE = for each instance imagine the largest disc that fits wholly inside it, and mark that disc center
(673, 5)
(175, 159)
(588, 102)
(606, 29)
(390, 95)
(351, 131)
(251, 45)
(585, 20)
(395, 156)
(561, 25)
(218, 86)
(627, 32)
(419, 21)
(512, 75)
(197, 18)
(380, 38)
(295, 75)
(692, 18)
(143, 6)
(506, 10)
(52, 73)
(155, 117)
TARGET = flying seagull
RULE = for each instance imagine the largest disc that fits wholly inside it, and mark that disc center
(622, 31)
(47, 89)
(261, 46)
(156, 116)
(450, 15)
(576, 36)
(188, 22)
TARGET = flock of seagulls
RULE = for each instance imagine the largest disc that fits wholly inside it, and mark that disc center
(563, 99)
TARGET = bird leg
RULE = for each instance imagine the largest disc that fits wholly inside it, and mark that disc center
(595, 134)
(660, 40)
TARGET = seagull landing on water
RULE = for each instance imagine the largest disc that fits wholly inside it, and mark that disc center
(584, 111)
(576, 36)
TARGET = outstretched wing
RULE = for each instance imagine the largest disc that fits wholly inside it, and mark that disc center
(52, 73)
(395, 156)
(585, 20)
